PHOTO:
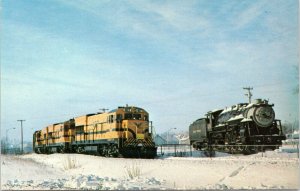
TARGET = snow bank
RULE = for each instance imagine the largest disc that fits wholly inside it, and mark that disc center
(269, 170)
(85, 182)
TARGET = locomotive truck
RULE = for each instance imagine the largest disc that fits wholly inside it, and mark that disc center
(124, 131)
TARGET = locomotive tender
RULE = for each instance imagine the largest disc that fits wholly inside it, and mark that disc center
(243, 128)
(125, 130)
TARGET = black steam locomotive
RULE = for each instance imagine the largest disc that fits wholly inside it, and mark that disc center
(243, 128)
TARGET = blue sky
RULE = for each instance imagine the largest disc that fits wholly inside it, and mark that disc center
(176, 59)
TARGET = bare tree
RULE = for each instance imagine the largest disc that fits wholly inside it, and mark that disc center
(289, 127)
(4, 146)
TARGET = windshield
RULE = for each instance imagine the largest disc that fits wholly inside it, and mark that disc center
(133, 116)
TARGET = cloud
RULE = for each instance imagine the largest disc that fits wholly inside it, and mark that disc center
(160, 21)
(248, 15)
(175, 14)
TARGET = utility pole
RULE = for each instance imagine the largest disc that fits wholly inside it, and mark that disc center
(103, 109)
(21, 120)
(249, 94)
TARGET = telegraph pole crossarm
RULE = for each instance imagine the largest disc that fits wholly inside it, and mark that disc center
(103, 109)
(249, 94)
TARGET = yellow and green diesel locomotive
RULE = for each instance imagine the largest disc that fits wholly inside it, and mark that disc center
(125, 130)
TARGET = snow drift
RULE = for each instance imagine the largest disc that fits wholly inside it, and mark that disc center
(270, 170)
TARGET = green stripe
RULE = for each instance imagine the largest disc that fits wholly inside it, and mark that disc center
(50, 145)
(91, 142)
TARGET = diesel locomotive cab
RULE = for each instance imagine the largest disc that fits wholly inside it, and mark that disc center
(136, 122)
(135, 132)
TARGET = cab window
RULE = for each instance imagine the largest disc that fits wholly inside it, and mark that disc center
(110, 119)
(128, 116)
(136, 116)
(145, 117)
(119, 117)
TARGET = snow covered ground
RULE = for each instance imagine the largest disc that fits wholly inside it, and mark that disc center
(270, 170)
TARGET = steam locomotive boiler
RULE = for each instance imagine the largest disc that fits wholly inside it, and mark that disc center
(242, 128)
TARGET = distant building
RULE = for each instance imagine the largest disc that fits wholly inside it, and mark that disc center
(294, 135)
(291, 138)
(183, 139)
(172, 139)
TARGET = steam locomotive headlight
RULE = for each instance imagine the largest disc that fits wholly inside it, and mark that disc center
(264, 116)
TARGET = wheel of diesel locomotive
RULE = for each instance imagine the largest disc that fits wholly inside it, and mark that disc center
(47, 150)
(143, 152)
(105, 151)
(131, 152)
(99, 150)
(80, 149)
(113, 151)
(68, 149)
(124, 153)
(73, 149)
(61, 149)
(37, 150)
(150, 153)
